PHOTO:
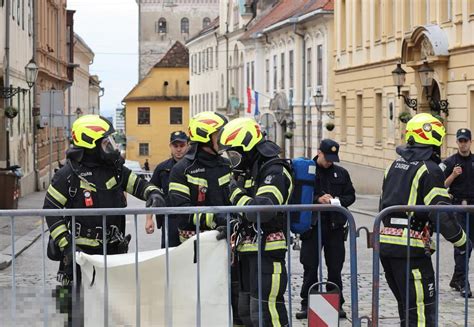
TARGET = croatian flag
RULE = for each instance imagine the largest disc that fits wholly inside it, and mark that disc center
(252, 102)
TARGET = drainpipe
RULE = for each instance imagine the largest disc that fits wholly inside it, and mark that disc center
(33, 90)
(6, 80)
(303, 93)
(227, 61)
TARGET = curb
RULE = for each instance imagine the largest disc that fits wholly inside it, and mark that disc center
(21, 244)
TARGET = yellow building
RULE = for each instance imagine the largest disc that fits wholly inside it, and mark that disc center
(157, 106)
(371, 38)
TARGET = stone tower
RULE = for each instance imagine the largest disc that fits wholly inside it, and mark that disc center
(163, 22)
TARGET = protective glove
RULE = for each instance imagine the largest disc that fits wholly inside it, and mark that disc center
(236, 187)
(222, 233)
(65, 273)
(123, 244)
(155, 199)
(465, 248)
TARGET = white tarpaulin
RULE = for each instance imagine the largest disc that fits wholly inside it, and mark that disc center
(152, 272)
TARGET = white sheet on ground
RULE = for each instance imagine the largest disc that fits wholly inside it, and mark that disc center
(152, 271)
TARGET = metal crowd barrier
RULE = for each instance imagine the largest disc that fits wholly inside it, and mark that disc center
(437, 209)
(15, 214)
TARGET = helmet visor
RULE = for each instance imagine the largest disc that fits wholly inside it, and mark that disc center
(108, 145)
(234, 157)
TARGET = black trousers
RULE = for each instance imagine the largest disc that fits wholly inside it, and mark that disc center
(422, 289)
(332, 241)
(173, 233)
(459, 259)
(274, 281)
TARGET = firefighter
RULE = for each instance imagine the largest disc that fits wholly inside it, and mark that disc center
(202, 178)
(161, 174)
(260, 177)
(416, 179)
(93, 177)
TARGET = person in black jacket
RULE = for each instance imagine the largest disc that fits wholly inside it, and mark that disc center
(333, 185)
(93, 177)
(160, 178)
(459, 172)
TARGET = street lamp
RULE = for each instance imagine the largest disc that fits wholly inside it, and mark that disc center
(31, 74)
(426, 77)
(398, 75)
(318, 102)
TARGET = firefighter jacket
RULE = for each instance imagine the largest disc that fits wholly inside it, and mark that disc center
(336, 181)
(415, 179)
(199, 179)
(461, 187)
(269, 182)
(161, 175)
(91, 185)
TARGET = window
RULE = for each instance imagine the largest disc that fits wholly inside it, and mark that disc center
(161, 26)
(143, 149)
(378, 118)
(18, 7)
(292, 69)
(275, 75)
(377, 20)
(176, 115)
(319, 63)
(267, 75)
(407, 15)
(143, 115)
(184, 25)
(446, 10)
(217, 57)
(282, 71)
(211, 56)
(358, 23)
(206, 22)
(248, 74)
(308, 67)
(342, 24)
(252, 73)
(358, 119)
(343, 119)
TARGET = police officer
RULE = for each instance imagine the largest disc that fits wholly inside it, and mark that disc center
(333, 185)
(416, 179)
(161, 174)
(93, 177)
(260, 177)
(459, 172)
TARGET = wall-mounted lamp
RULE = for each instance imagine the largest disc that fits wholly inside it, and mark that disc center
(318, 101)
(31, 74)
(398, 75)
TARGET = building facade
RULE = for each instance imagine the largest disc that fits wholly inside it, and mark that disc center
(371, 38)
(157, 106)
(163, 22)
(16, 50)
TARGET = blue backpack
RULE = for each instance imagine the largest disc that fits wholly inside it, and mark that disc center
(304, 174)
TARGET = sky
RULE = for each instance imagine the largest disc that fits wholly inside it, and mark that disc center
(110, 29)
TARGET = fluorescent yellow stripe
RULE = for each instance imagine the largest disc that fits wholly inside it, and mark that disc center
(111, 183)
(420, 305)
(272, 190)
(131, 183)
(243, 200)
(269, 246)
(224, 179)
(57, 195)
(435, 191)
(386, 171)
(87, 242)
(398, 240)
(196, 217)
(462, 241)
(236, 192)
(414, 187)
(249, 183)
(62, 243)
(273, 294)
(149, 189)
(290, 188)
(210, 220)
(58, 231)
(87, 186)
(196, 180)
(179, 188)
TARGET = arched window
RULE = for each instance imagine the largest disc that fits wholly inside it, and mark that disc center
(185, 25)
(161, 26)
(206, 22)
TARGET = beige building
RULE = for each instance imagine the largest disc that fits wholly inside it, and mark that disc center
(16, 134)
(371, 38)
(163, 22)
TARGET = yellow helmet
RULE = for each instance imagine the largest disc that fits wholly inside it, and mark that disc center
(240, 132)
(425, 129)
(202, 125)
(86, 130)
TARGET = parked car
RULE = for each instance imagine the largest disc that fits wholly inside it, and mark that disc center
(137, 169)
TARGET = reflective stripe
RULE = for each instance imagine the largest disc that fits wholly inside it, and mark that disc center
(210, 220)
(88, 242)
(62, 243)
(236, 192)
(273, 190)
(273, 294)
(402, 240)
(243, 200)
(269, 246)
(249, 183)
(196, 216)
(196, 180)
(290, 188)
(435, 191)
(414, 187)
(179, 188)
(58, 231)
(57, 195)
(131, 183)
(111, 183)
(386, 172)
(462, 241)
(224, 179)
(149, 189)
(420, 296)
(87, 186)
